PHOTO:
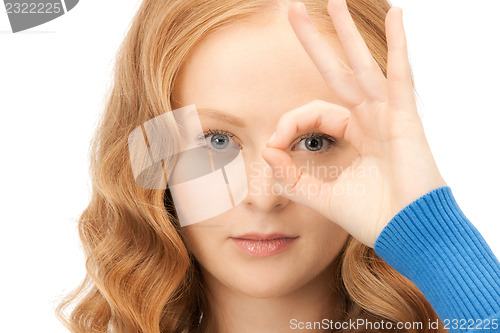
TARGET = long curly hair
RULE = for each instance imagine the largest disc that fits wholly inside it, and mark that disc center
(140, 275)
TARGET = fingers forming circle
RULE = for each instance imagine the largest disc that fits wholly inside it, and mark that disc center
(326, 117)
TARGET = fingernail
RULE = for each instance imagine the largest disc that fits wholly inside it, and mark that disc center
(302, 7)
(271, 138)
(269, 162)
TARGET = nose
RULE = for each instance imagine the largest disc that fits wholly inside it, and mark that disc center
(261, 194)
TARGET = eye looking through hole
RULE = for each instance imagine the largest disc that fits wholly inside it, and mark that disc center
(313, 142)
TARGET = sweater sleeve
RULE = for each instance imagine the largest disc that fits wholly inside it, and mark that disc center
(432, 243)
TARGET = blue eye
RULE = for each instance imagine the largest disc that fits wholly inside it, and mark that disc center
(315, 142)
(219, 139)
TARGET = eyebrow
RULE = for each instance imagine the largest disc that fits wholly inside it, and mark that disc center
(222, 115)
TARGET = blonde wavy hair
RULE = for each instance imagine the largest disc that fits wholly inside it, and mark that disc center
(141, 276)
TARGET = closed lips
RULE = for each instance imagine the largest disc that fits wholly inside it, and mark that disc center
(263, 245)
(263, 237)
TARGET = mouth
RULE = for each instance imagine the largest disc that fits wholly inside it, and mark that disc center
(260, 236)
(262, 245)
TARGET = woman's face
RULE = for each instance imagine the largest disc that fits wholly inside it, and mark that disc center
(256, 72)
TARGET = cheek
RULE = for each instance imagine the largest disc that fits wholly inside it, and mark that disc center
(328, 236)
(201, 240)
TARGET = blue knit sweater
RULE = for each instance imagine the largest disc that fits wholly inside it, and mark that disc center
(432, 243)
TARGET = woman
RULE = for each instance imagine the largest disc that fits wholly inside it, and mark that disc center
(357, 245)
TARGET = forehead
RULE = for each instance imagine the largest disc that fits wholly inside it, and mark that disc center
(256, 68)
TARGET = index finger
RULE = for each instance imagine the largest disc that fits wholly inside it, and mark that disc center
(329, 118)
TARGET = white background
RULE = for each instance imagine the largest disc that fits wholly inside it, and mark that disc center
(53, 80)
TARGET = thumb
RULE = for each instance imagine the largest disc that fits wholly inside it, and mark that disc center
(295, 183)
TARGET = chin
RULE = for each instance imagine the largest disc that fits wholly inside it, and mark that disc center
(266, 283)
(266, 290)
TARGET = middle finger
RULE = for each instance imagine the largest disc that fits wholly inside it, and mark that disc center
(338, 75)
(369, 75)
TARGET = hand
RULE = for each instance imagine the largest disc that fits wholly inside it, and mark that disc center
(379, 119)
